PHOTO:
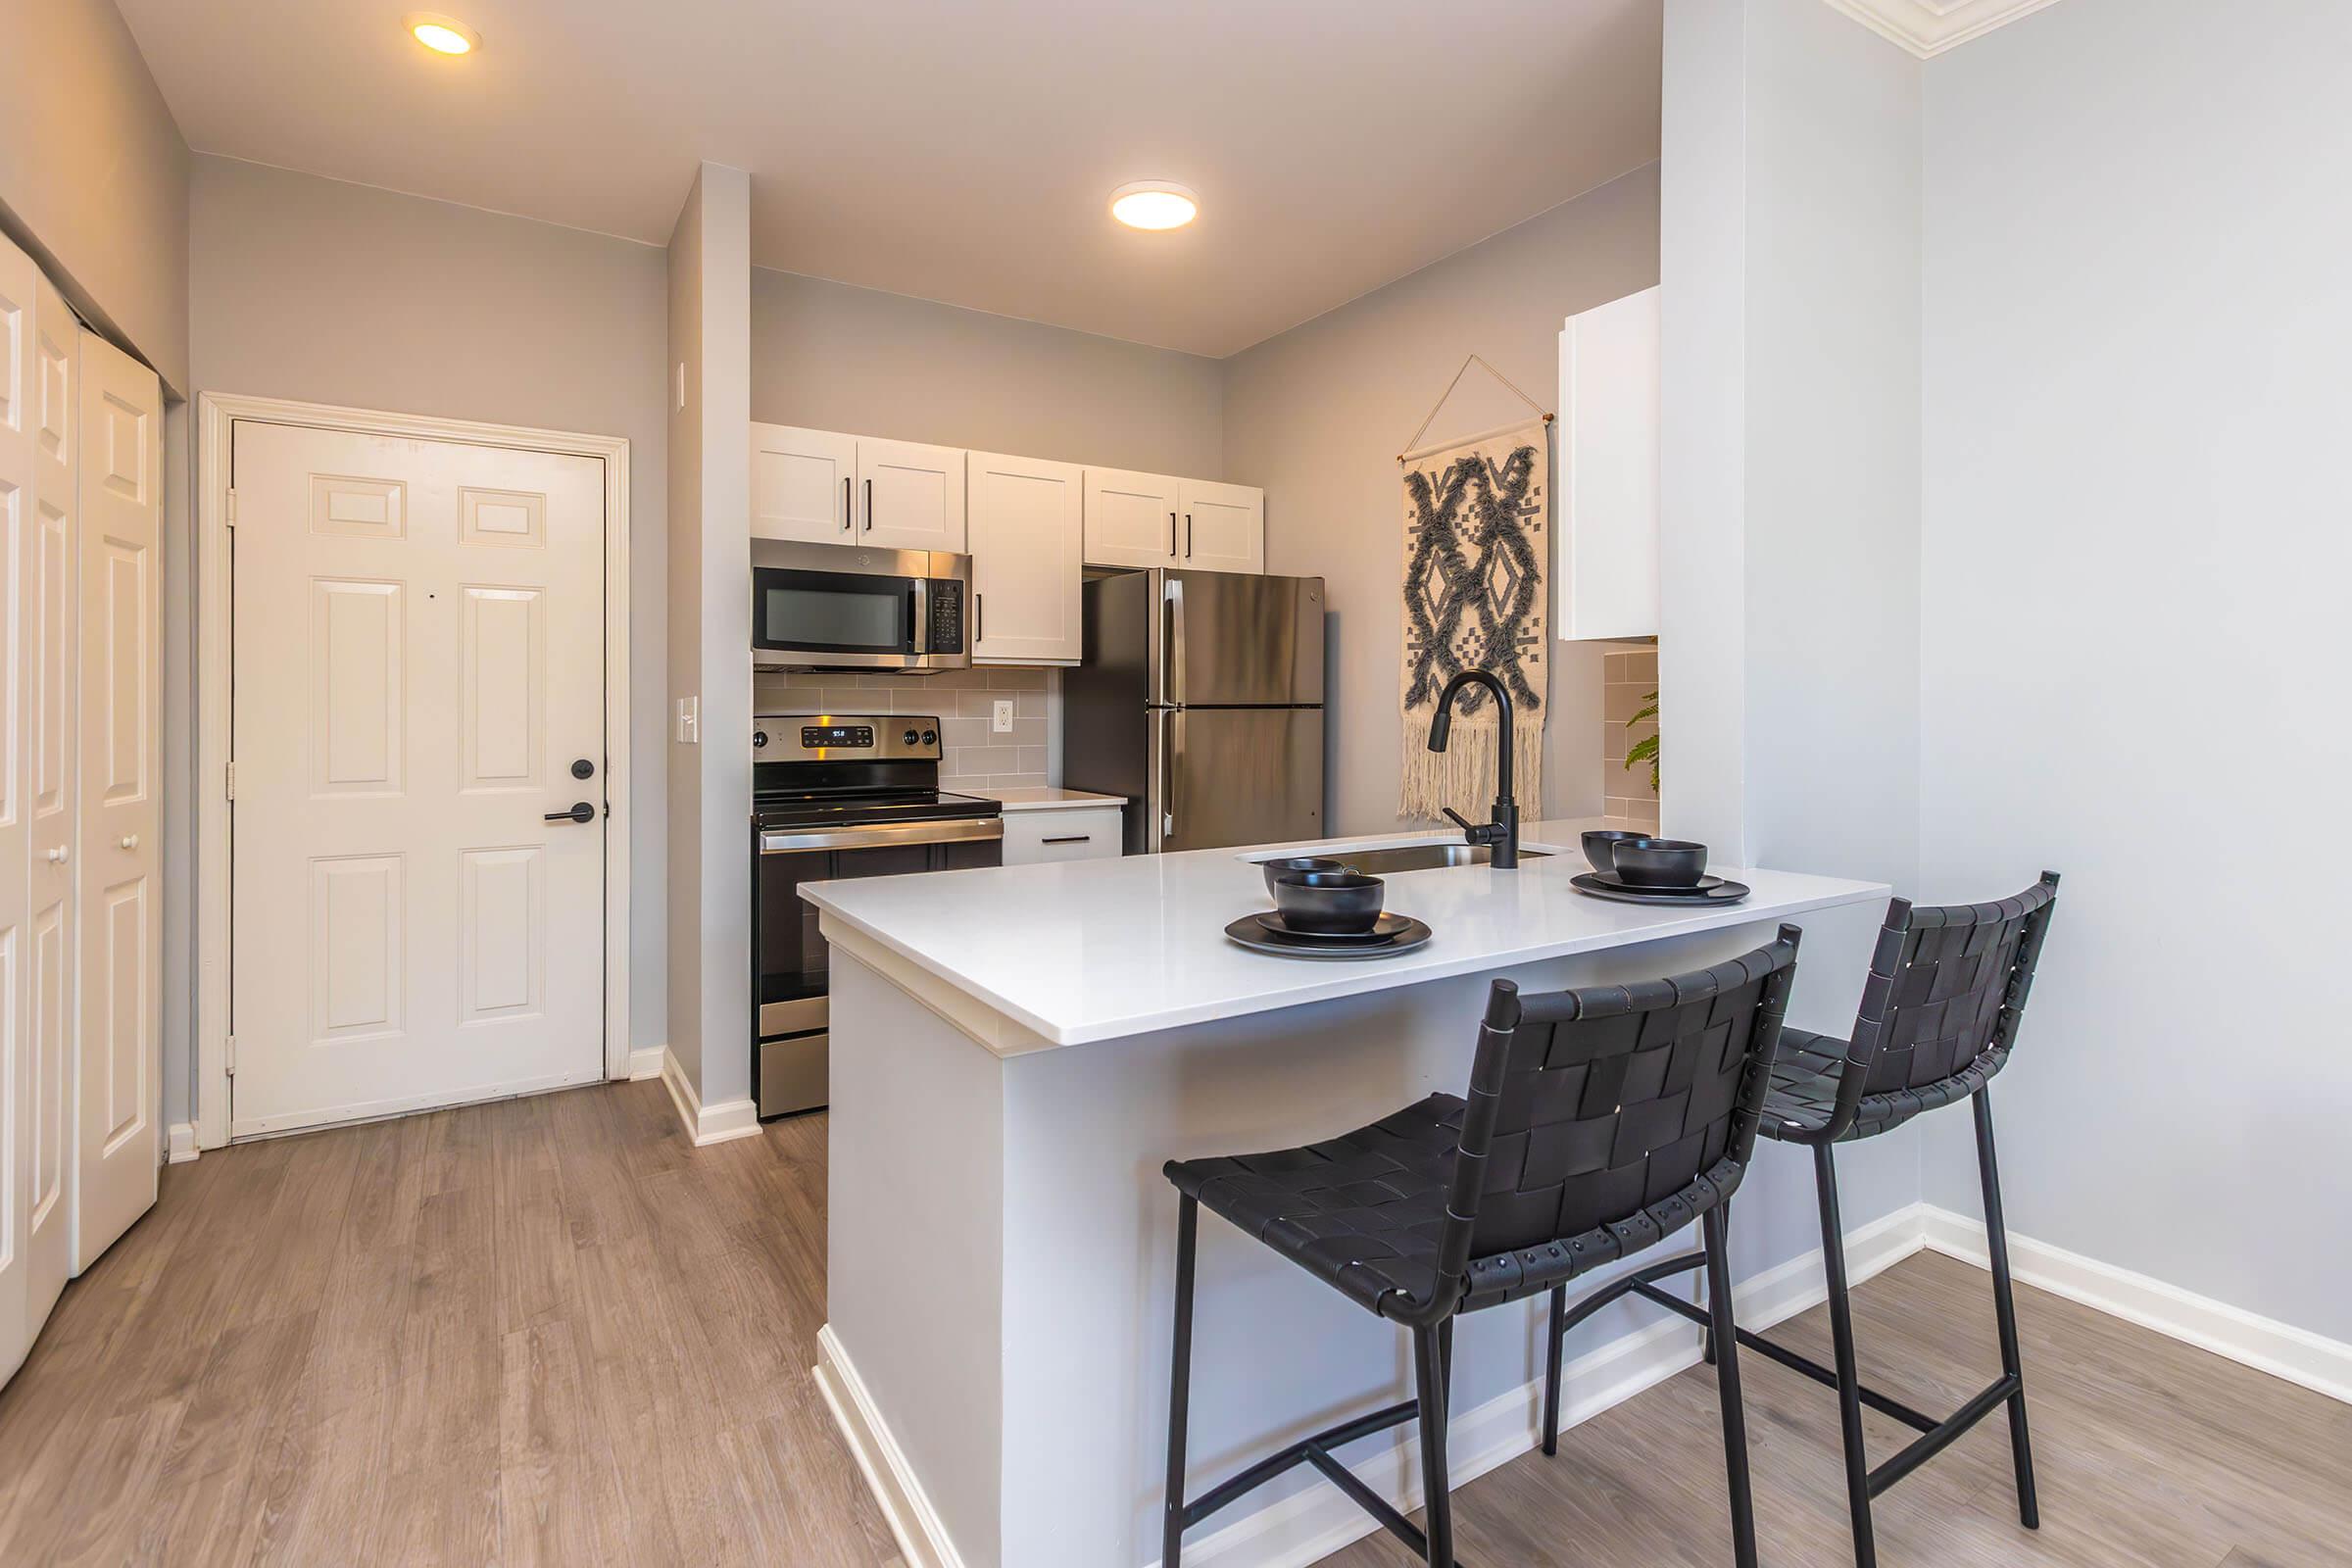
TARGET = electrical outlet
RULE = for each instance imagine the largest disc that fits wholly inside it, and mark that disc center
(1004, 719)
(690, 720)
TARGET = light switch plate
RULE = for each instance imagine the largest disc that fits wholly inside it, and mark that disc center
(1004, 719)
(690, 720)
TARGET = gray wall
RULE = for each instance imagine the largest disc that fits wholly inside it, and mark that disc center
(1318, 414)
(313, 289)
(2136, 551)
(832, 357)
(94, 176)
(710, 892)
(1788, 652)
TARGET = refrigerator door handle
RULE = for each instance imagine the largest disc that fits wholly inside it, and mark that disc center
(1173, 758)
(1174, 677)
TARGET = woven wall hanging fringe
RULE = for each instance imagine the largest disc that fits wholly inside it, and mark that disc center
(1477, 530)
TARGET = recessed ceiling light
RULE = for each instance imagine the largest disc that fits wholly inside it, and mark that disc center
(445, 35)
(1153, 204)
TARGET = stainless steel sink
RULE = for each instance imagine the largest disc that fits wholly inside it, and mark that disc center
(1424, 857)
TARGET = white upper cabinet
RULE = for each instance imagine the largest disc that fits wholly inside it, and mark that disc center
(804, 485)
(1026, 529)
(1224, 526)
(909, 497)
(1609, 525)
(1131, 518)
(1156, 519)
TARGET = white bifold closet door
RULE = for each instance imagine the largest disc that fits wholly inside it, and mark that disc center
(77, 1088)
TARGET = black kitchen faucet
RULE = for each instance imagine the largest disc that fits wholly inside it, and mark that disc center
(1502, 834)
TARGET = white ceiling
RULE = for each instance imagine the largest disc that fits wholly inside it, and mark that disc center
(964, 151)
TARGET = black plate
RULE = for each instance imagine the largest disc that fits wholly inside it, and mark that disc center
(1250, 933)
(1613, 879)
(1384, 929)
(1593, 884)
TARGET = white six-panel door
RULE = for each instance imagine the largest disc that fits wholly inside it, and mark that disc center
(418, 665)
(49, 605)
(18, 387)
(120, 479)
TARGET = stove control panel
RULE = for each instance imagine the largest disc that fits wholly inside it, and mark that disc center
(845, 738)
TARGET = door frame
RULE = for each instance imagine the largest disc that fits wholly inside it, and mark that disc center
(218, 413)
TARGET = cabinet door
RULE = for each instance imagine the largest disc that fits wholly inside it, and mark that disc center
(1131, 518)
(1609, 471)
(1086, 833)
(1224, 526)
(1026, 532)
(909, 497)
(803, 485)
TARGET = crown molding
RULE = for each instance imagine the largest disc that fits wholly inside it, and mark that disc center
(1927, 27)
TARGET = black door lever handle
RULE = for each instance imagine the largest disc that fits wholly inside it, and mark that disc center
(581, 812)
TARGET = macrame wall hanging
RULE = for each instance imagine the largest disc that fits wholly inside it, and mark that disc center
(1477, 533)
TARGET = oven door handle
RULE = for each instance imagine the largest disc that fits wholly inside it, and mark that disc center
(953, 831)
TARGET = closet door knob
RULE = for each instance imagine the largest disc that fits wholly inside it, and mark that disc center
(131, 841)
(58, 854)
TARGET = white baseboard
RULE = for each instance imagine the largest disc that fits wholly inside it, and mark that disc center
(922, 1539)
(2298, 1355)
(179, 1145)
(646, 1063)
(707, 1124)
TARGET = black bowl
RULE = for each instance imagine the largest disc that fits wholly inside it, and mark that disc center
(1300, 862)
(1659, 863)
(1341, 903)
(1600, 842)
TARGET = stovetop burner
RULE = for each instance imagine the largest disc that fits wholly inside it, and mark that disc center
(858, 807)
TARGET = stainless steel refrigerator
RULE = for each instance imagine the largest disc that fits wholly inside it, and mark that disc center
(1201, 700)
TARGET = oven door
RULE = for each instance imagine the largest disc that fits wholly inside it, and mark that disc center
(790, 1014)
(838, 618)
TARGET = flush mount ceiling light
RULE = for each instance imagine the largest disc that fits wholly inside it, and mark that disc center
(1153, 204)
(445, 35)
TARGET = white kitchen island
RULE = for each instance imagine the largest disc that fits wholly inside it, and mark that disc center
(1016, 1053)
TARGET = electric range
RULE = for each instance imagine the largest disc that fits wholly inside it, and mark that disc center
(835, 795)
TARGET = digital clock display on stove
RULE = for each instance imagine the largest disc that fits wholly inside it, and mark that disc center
(815, 735)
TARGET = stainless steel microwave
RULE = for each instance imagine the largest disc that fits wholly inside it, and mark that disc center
(847, 607)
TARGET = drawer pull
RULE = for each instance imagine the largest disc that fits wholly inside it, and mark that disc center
(1072, 838)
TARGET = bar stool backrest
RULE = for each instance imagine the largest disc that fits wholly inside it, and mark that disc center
(1627, 1110)
(1948, 986)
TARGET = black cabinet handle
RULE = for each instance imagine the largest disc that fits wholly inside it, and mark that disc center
(845, 508)
(581, 812)
(1074, 838)
(870, 506)
(1172, 533)
(1188, 536)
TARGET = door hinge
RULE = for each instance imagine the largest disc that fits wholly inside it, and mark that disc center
(232, 781)
(232, 1057)
(232, 509)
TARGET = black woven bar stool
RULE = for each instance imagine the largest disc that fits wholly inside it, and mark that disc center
(1939, 1017)
(1599, 1121)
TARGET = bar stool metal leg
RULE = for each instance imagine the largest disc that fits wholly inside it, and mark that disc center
(1180, 1380)
(1551, 1370)
(1429, 1369)
(1726, 1335)
(1707, 1336)
(1996, 1240)
(1842, 1340)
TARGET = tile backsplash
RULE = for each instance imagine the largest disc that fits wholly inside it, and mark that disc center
(976, 755)
(1630, 677)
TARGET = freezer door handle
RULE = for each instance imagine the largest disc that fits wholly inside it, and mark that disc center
(1174, 676)
(1172, 755)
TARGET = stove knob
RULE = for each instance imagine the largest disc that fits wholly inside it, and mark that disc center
(909, 737)
(759, 739)
(930, 737)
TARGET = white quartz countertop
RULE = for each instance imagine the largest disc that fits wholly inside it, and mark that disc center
(1082, 951)
(1039, 798)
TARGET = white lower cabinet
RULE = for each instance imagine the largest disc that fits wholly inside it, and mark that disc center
(1077, 833)
(1025, 523)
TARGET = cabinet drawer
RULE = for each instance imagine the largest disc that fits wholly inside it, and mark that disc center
(1086, 833)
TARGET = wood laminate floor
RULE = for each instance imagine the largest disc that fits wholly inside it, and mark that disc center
(549, 1331)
